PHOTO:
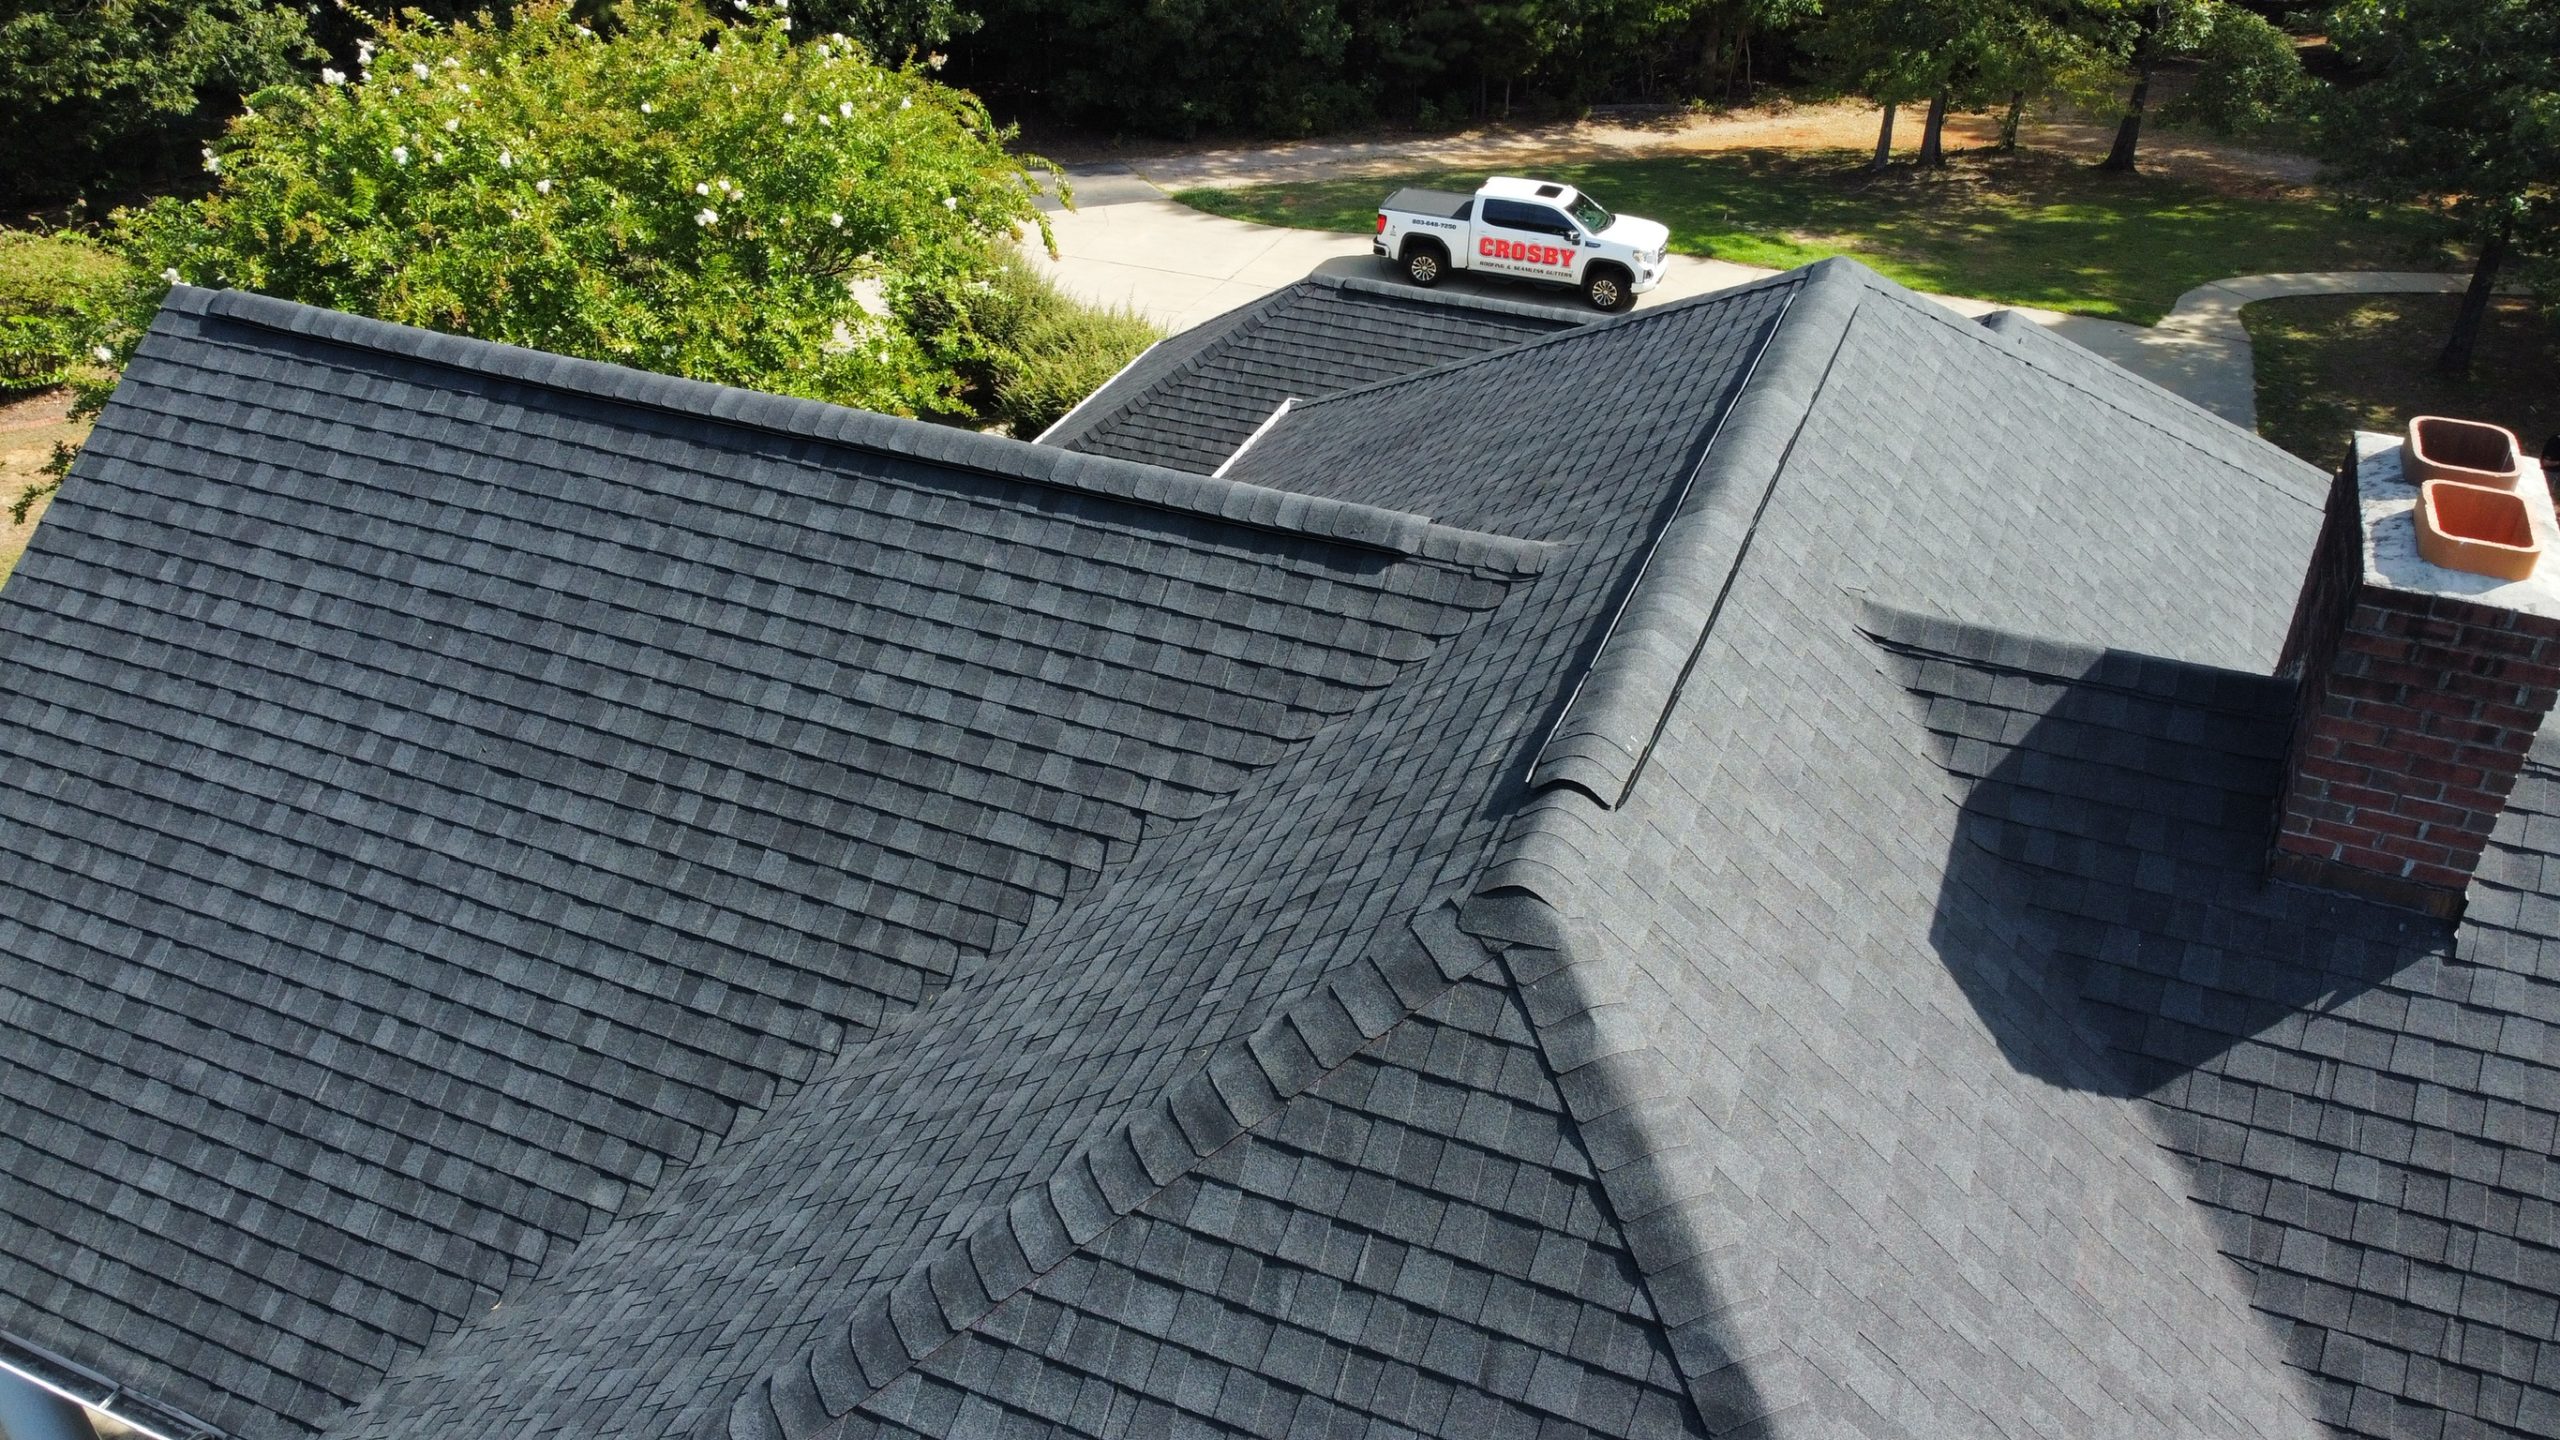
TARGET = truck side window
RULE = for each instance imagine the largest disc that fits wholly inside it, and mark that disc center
(1512, 215)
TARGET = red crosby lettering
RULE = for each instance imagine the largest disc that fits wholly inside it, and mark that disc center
(1533, 254)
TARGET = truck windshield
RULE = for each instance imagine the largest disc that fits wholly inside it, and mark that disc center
(1593, 216)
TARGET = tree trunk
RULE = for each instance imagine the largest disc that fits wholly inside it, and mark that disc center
(2009, 123)
(2129, 130)
(2456, 359)
(1933, 154)
(1884, 140)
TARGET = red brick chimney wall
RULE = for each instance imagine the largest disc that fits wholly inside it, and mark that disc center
(2417, 711)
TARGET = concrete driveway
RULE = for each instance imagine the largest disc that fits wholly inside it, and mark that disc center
(1126, 245)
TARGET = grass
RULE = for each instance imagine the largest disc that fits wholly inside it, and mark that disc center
(2025, 229)
(24, 448)
(2328, 364)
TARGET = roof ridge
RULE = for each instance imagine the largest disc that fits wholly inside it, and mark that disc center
(2032, 344)
(1623, 1121)
(1585, 330)
(862, 1349)
(1233, 502)
(1458, 300)
(1607, 727)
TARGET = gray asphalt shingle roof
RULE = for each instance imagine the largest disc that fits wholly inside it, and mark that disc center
(1192, 400)
(1748, 922)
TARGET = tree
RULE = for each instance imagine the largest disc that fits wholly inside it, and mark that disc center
(91, 86)
(2159, 29)
(1893, 52)
(700, 198)
(2251, 77)
(2459, 109)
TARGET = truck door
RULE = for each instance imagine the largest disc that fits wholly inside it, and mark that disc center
(1517, 238)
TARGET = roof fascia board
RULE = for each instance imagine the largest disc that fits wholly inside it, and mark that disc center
(1232, 502)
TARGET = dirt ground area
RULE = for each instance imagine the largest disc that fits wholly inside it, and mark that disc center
(1838, 125)
(30, 427)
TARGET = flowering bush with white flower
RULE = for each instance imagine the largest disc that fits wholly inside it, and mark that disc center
(635, 199)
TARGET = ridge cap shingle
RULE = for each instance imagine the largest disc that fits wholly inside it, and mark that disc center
(1825, 269)
(1608, 725)
(1235, 502)
(951, 1289)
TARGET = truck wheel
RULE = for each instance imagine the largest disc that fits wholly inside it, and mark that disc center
(1425, 264)
(1608, 288)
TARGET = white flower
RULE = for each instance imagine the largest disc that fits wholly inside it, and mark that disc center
(542, 187)
(420, 70)
(212, 162)
(725, 187)
(936, 59)
(845, 108)
(788, 117)
(452, 64)
(826, 119)
(514, 214)
(781, 4)
(364, 52)
(399, 154)
(950, 202)
(458, 85)
(907, 102)
(452, 125)
(785, 22)
(105, 355)
(332, 77)
(648, 109)
(171, 275)
(836, 219)
(506, 161)
(706, 216)
(585, 32)
(701, 189)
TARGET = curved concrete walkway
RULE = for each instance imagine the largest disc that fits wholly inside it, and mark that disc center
(1127, 245)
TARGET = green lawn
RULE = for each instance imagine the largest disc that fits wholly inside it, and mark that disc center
(2328, 364)
(2027, 229)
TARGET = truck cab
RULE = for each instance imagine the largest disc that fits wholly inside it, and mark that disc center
(1536, 230)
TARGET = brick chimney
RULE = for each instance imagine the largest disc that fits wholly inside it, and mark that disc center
(2422, 689)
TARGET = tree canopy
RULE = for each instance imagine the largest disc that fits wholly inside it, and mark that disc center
(688, 195)
(86, 84)
(2457, 106)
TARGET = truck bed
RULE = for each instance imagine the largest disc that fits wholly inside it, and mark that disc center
(1443, 204)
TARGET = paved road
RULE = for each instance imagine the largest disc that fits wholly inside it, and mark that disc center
(1128, 245)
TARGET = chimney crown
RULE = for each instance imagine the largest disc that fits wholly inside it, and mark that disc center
(2422, 689)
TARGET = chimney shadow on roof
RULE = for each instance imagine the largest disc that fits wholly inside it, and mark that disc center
(2105, 906)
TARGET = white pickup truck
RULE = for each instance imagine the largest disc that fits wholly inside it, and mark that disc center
(1526, 230)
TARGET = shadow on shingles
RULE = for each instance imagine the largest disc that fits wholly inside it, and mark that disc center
(2104, 906)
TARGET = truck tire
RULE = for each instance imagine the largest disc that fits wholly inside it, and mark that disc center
(1609, 288)
(1425, 263)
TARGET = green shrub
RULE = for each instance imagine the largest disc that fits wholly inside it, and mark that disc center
(1035, 352)
(57, 293)
(682, 194)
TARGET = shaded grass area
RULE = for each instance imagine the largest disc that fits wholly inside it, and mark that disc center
(2024, 229)
(29, 429)
(2328, 364)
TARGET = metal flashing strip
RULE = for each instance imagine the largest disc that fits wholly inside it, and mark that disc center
(1268, 421)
